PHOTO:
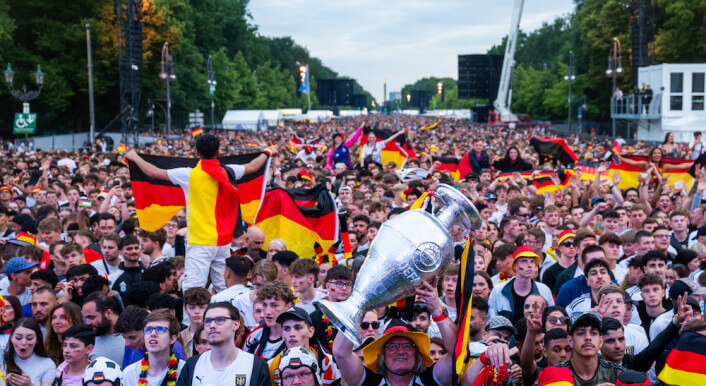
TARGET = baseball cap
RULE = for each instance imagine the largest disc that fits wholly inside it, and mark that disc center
(678, 288)
(17, 264)
(102, 370)
(294, 313)
(490, 196)
(499, 322)
(585, 319)
(596, 200)
(565, 235)
(521, 252)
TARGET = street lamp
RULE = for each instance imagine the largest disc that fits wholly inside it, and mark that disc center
(570, 77)
(211, 87)
(168, 75)
(615, 68)
(23, 94)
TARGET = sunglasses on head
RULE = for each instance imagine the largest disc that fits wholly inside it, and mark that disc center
(366, 325)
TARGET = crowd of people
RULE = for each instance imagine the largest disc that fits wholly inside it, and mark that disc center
(590, 278)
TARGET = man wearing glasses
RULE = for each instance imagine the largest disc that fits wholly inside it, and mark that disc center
(224, 364)
(339, 284)
(298, 367)
(160, 333)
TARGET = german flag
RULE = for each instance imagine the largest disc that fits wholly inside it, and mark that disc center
(299, 217)
(157, 201)
(396, 151)
(685, 363)
(432, 126)
(347, 251)
(553, 150)
(524, 175)
(630, 174)
(196, 131)
(448, 164)
(464, 167)
(464, 294)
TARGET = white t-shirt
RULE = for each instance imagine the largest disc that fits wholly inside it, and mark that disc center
(245, 307)
(131, 374)
(374, 150)
(309, 306)
(207, 375)
(230, 294)
(180, 176)
(100, 265)
(635, 338)
(39, 369)
(25, 297)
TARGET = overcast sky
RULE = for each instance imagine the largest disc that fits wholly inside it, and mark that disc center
(397, 40)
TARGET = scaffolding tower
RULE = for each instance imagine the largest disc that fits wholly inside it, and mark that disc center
(129, 27)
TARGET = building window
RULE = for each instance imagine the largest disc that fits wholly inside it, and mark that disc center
(677, 82)
(697, 89)
(675, 102)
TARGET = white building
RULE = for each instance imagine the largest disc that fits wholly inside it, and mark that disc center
(677, 104)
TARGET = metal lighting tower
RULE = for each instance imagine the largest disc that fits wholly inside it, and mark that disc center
(615, 68)
(168, 75)
(129, 28)
(504, 99)
(211, 87)
(570, 77)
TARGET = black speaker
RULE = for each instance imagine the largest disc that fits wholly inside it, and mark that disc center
(479, 76)
(360, 101)
(420, 98)
(344, 92)
(324, 91)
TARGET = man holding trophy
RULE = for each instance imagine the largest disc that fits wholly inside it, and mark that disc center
(406, 257)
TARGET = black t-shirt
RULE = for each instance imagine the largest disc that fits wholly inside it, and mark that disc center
(519, 305)
(425, 379)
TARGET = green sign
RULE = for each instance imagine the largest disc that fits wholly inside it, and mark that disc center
(25, 123)
(211, 89)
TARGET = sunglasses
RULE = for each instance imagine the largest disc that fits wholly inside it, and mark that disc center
(568, 244)
(367, 325)
(557, 319)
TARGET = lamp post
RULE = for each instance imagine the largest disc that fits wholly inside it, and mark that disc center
(168, 75)
(570, 77)
(615, 68)
(150, 111)
(25, 95)
(211, 87)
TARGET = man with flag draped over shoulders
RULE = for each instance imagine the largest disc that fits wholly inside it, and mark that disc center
(212, 207)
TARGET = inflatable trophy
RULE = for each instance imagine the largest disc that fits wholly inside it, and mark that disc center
(411, 247)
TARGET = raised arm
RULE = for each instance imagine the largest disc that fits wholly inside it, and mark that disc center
(351, 367)
(350, 141)
(672, 167)
(257, 163)
(146, 167)
(629, 161)
(393, 137)
(443, 370)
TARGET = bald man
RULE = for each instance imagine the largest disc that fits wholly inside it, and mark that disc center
(254, 239)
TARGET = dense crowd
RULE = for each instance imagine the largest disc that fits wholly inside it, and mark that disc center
(590, 278)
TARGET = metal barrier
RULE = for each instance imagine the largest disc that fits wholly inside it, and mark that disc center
(633, 107)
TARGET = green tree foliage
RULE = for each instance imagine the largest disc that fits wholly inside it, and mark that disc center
(252, 71)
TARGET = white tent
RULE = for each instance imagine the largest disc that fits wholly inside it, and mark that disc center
(250, 119)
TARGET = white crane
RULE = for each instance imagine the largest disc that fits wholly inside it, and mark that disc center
(504, 99)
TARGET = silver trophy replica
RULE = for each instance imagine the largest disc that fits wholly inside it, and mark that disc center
(411, 247)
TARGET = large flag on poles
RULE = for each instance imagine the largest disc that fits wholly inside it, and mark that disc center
(157, 201)
(685, 363)
(553, 150)
(630, 174)
(464, 293)
(396, 151)
(300, 217)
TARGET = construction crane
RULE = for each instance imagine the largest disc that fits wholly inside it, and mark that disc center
(502, 103)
